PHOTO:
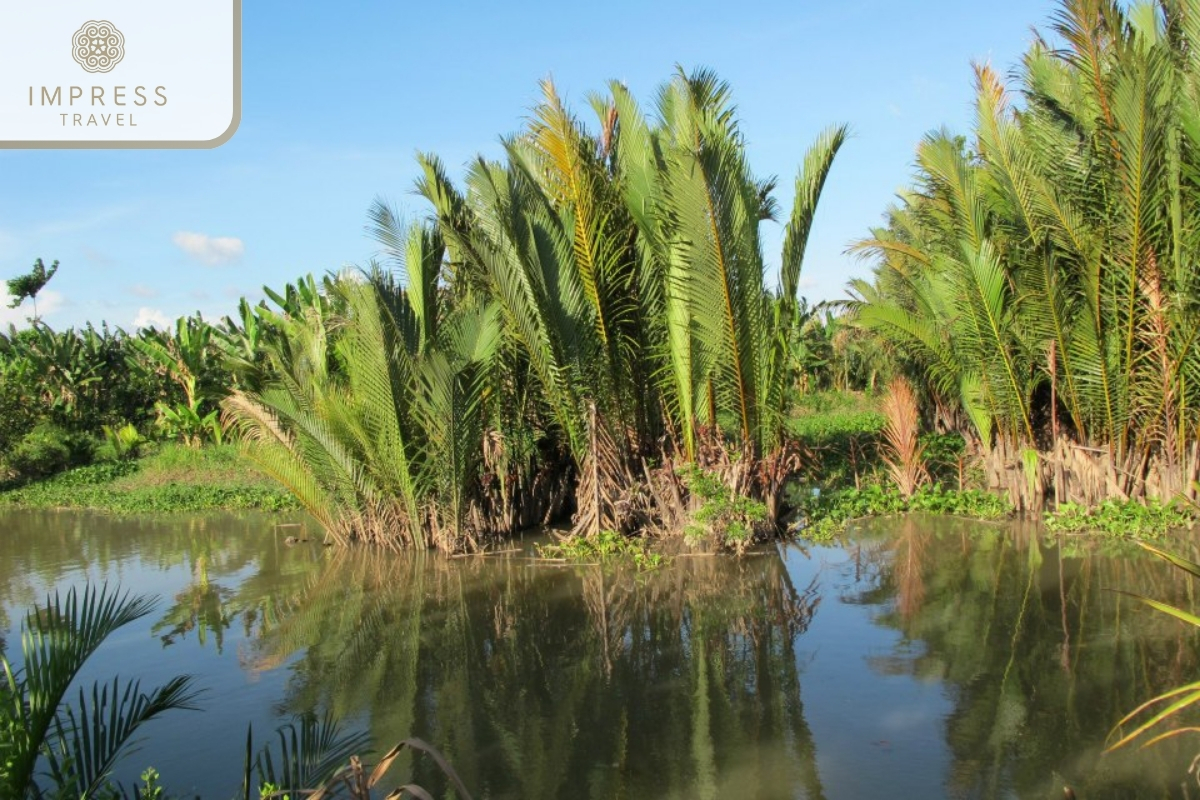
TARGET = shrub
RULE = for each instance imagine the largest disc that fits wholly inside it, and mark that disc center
(734, 520)
(606, 547)
(17, 414)
(47, 450)
(123, 443)
(840, 433)
(949, 461)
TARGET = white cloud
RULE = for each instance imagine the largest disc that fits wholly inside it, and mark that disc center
(151, 318)
(48, 302)
(212, 251)
(142, 290)
(807, 283)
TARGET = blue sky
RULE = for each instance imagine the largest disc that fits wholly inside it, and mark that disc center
(337, 97)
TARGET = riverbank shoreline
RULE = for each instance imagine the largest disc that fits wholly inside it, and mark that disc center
(171, 479)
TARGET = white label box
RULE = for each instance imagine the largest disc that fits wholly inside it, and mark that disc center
(119, 73)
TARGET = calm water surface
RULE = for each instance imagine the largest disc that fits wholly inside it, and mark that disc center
(925, 658)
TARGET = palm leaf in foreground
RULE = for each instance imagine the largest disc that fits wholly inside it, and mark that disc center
(1158, 710)
(311, 750)
(358, 781)
(81, 744)
(89, 739)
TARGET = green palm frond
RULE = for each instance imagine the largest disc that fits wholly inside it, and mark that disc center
(310, 750)
(1154, 713)
(81, 743)
(90, 737)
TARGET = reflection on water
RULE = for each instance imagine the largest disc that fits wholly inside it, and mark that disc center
(926, 658)
(545, 681)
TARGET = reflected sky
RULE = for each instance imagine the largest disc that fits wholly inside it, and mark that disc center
(923, 658)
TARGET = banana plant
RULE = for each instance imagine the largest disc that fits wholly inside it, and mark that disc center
(185, 356)
(185, 422)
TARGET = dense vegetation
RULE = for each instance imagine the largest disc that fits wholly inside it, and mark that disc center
(1041, 277)
(71, 397)
(573, 328)
(587, 329)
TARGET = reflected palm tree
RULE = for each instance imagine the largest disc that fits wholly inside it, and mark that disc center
(202, 607)
(1040, 655)
(44, 549)
(552, 681)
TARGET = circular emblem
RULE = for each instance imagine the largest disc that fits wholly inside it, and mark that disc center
(98, 46)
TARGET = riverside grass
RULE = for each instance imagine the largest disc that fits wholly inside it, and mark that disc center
(173, 479)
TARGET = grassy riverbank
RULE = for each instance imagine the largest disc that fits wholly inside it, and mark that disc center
(172, 478)
(844, 478)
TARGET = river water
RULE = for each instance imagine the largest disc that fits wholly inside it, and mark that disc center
(922, 658)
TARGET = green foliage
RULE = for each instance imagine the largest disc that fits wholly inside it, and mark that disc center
(630, 278)
(41, 452)
(77, 743)
(967, 503)
(189, 358)
(732, 519)
(825, 515)
(79, 379)
(304, 754)
(174, 462)
(596, 298)
(183, 423)
(149, 789)
(1121, 519)
(48, 449)
(947, 458)
(28, 286)
(606, 547)
(65, 491)
(839, 433)
(1040, 277)
(828, 352)
(17, 414)
(373, 418)
(172, 479)
(832, 426)
(92, 474)
(124, 442)
(100, 383)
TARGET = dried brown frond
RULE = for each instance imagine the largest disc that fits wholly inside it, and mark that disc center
(902, 451)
